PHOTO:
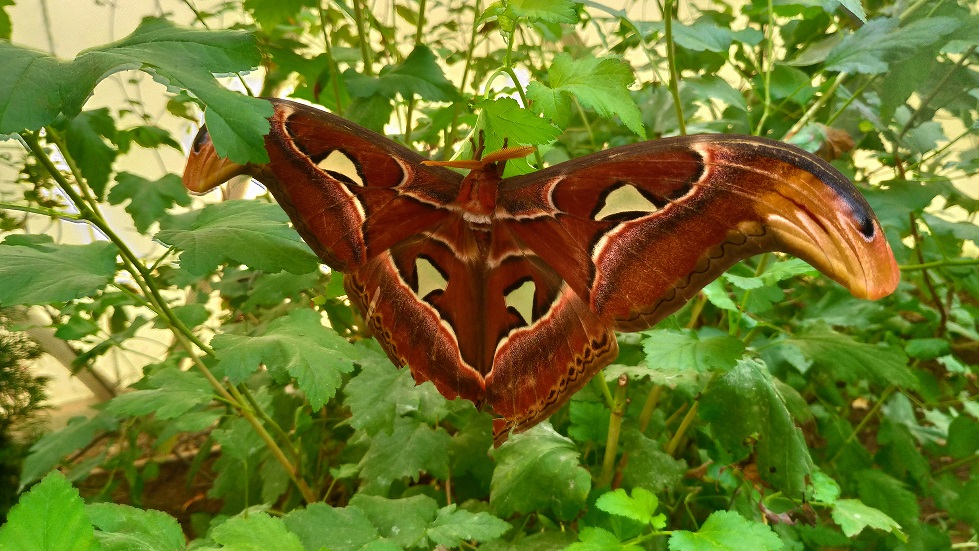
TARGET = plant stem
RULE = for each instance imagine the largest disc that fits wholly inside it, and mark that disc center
(674, 443)
(859, 92)
(614, 431)
(939, 264)
(365, 52)
(671, 61)
(419, 31)
(818, 104)
(42, 211)
(863, 422)
(599, 380)
(652, 400)
(943, 315)
(769, 54)
(938, 89)
(328, 49)
(89, 212)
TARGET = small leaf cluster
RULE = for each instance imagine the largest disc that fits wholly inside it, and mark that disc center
(775, 411)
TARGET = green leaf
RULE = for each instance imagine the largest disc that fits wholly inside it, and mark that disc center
(848, 359)
(148, 200)
(453, 526)
(403, 521)
(5, 26)
(601, 84)
(503, 118)
(295, 345)
(963, 437)
(173, 393)
(965, 506)
(381, 393)
(726, 531)
(538, 470)
(240, 232)
(853, 516)
(702, 36)
(856, 8)
(272, 12)
(927, 348)
(824, 488)
(236, 123)
(589, 421)
(255, 532)
(45, 273)
(125, 528)
(649, 466)
(30, 89)
(640, 506)
(412, 448)
(717, 295)
(273, 289)
(715, 87)
(889, 495)
(87, 147)
(418, 75)
(35, 88)
(669, 349)
(599, 539)
(555, 105)
(744, 406)
(550, 11)
(880, 42)
(50, 517)
(47, 452)
(320, 526)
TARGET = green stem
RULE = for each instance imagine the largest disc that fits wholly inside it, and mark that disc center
(614, 431)
(956, 464)
(652, 400)
(419, 31)
(939, 264)
(244, 392)
(671, 62)
(334, 66)
(523, 98)
(674, 443)
(769, 54)
(599, 379)
(470, 54)
(859, 92)
(365, 52)
(863, 422)
(584, 120)
(815, 107)
(42, 211)
(940, 87)
(89, 211)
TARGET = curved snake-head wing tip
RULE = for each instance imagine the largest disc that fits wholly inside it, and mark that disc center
(205, 169)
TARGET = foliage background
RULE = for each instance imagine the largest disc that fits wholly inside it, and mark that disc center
(775, 411)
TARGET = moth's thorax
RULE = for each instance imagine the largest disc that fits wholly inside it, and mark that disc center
(477, 195)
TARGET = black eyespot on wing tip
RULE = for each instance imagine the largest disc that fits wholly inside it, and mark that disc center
(202, 139)
(866, 224)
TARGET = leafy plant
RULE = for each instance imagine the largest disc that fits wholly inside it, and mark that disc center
(21, 400)
(773, 412)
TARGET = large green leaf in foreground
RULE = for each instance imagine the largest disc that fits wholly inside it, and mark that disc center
(35, 87)
(39, 272)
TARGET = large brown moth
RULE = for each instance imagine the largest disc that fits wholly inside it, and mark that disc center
(508, 291)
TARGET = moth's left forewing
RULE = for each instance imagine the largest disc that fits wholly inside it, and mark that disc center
(350, 192)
